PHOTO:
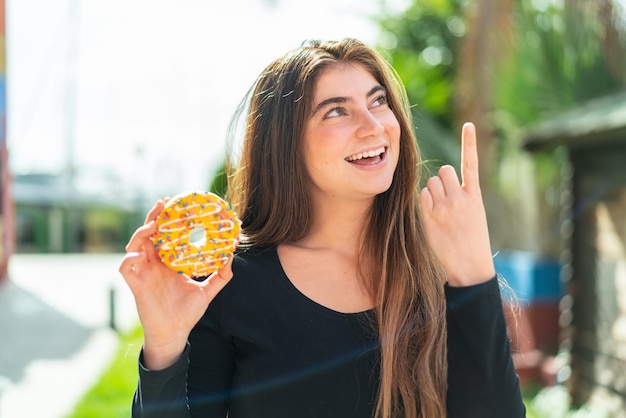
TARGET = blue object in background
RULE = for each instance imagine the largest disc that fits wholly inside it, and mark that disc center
(532, 278)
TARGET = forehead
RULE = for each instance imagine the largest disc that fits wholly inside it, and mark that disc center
(343, 79)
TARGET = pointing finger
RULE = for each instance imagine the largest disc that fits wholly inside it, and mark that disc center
(469, 157)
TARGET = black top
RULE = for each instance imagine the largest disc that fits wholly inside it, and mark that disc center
(265, 350)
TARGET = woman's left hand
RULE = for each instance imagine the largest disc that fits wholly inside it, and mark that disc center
(455, 219)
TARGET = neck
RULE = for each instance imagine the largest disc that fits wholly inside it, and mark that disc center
(338, 224)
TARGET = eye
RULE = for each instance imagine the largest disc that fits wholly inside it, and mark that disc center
(334, 112)
(380, 101)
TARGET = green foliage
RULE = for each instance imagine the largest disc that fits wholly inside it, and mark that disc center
(558, 61)
(422, 44)
(219, 184)
(104, 229)
(112, 395)
(559, 55)
(529, 391)
(437, 145)
(554, 402)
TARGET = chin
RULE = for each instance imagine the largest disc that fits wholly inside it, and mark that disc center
(382, 189)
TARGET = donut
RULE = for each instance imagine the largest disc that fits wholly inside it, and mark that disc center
(196, 233)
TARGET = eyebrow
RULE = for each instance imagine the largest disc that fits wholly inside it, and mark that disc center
(343, 99)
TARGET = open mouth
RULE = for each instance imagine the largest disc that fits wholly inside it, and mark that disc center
(368, 157)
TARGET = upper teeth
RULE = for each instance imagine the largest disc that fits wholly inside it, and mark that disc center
(367, 154)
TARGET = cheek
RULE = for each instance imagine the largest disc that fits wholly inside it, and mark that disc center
(394, 128)
(394, 131)
(307, 150)
(314, 157)
(321, 149)
(318, 162)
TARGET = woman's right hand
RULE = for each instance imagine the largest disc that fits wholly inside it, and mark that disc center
(168, 304)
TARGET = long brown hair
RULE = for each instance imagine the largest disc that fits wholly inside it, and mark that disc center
(269, 190)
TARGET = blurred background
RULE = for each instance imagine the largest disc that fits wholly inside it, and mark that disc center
(120, 103)
(107, 106)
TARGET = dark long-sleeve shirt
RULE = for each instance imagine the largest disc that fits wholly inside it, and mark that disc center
(263, 349)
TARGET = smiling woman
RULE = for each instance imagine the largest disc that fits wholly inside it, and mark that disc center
(352, 293)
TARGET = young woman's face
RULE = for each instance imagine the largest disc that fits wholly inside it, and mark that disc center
(351, 138)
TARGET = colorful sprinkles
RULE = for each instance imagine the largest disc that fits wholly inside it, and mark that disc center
(180, 216)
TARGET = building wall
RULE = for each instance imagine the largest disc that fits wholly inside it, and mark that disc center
(597, 332)
(6, 209)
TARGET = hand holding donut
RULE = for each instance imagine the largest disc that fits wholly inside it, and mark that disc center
(169, 304)
(455, 219)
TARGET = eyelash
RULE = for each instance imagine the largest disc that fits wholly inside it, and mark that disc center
(382, 99)
(334, 109)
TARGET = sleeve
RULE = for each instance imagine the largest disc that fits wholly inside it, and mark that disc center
(162, 393)
(482, 381)
(198, 384)
(211, 365)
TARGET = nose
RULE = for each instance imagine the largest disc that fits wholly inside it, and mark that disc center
(369, 125)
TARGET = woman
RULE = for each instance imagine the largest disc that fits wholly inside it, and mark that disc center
(353, 294)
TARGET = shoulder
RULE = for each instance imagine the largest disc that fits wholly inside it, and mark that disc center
(254, 262)
(254, 255)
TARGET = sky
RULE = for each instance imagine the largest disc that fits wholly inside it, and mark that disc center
(140, 92)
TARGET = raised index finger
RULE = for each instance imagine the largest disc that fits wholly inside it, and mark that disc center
(469, 157)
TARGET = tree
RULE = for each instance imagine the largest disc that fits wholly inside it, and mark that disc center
(563, 55)
(504, 65)
(421, 44)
